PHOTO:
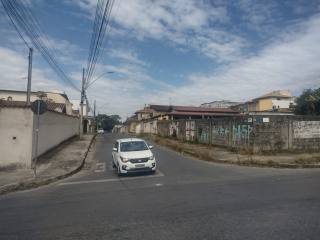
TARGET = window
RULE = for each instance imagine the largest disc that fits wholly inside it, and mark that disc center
(133, 146)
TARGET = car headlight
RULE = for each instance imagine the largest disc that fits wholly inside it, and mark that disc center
(151, 157)
(123, 159)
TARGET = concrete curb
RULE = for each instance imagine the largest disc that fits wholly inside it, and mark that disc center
(247, 163)
(42, 182)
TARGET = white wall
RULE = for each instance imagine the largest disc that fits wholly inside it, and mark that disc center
(17, 135)
(15, 123)
(283, 103)
(138, 128)
(54, 128)
(149, 127)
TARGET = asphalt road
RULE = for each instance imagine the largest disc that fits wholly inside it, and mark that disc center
(185, 199)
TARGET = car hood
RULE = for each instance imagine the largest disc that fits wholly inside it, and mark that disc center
(136, 154)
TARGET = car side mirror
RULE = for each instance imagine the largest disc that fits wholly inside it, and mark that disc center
(115, 149)
(150, 146)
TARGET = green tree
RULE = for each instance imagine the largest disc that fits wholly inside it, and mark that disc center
(107, 122)
(308, 103)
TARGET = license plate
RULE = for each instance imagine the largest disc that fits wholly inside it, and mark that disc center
(139, 165)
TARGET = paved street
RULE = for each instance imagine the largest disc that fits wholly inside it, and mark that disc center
(185, 199)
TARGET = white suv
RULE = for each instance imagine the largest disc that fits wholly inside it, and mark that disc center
(133, 155)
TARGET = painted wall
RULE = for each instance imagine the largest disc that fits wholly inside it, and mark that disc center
(17, 131)
(264, 105)
(15, 136)
(283, 103)
(54, 128)
(258, 133)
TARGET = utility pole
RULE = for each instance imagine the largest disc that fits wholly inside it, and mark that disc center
(94, 108)
(81, 105)
(94, 116)
(29, 76)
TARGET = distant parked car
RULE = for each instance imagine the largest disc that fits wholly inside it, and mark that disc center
(133, 155)
(100, 131)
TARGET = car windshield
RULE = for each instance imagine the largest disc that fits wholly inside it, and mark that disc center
(133, 146)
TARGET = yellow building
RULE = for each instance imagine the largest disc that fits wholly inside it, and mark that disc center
(275, 101)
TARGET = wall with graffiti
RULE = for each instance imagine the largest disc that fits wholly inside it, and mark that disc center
(259, 133)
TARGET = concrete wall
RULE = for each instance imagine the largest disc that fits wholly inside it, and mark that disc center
(54, 128)
(258, 133)
(15, 136)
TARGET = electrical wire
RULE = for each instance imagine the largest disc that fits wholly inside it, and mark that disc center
(102, 19)
(25, 22)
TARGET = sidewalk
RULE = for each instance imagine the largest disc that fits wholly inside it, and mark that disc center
(63, 161)
(224, 155)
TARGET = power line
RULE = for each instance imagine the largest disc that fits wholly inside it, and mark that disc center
(24, 22)
(16, 27)
(102, 18)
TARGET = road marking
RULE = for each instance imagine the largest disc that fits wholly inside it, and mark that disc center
(100, 167)
(157, 174)
(159, 184)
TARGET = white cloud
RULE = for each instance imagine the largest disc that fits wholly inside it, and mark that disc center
(291, 62)
(127, 55)
(188, 24)
(64, 51)
(14, 71)
(128, 88)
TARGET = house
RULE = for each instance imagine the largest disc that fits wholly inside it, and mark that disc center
(144, 113)
(76, 108)
(89, 122)
(145, 120)
(131, 124)
(51, 106)
(279, 101)
(165, 112)
(219, 104)
(54, 98)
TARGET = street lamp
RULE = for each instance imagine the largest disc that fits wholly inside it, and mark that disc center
(98, 78)
(83, 96)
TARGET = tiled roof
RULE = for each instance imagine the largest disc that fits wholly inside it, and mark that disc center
(161, 108)
(168, 109)
(202, 109)
(18, 104)
(277, 93)
(145, 110)
(56, 107)
(202, 114)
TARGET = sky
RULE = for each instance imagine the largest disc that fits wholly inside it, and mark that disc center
(183, 52)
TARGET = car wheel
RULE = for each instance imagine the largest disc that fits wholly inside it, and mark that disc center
(119, 172)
